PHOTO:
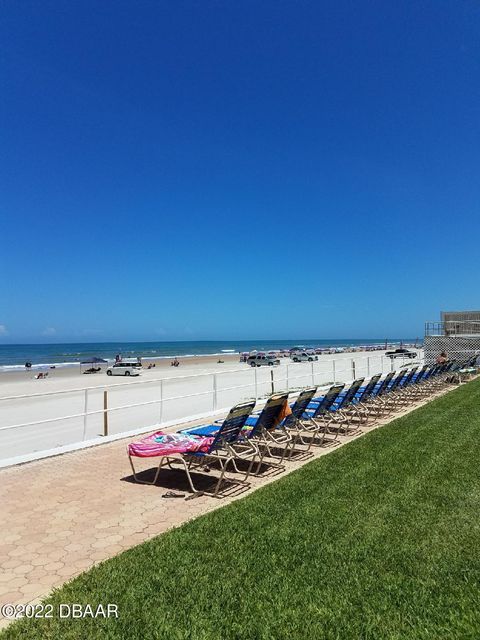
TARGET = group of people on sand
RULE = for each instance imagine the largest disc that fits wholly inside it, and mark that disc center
(175, 362)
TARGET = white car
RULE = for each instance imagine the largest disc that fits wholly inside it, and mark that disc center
(124, 368)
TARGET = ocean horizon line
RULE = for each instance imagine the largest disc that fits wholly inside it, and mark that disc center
(227, 340)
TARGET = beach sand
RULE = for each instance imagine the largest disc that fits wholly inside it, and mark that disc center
(200, 386)
(64, 377)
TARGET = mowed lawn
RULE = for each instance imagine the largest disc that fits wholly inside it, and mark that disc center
(380, 539)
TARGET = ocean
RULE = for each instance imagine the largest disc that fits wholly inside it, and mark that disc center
(14, 356)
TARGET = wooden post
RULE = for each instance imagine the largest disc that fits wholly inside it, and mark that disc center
(105, 413)
(271, 380)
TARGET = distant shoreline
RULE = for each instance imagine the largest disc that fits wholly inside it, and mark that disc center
(70, 355)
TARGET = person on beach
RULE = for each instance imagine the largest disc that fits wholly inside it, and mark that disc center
(442, 358)
(118, 358)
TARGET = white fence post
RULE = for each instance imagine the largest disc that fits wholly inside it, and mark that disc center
(256, 383)
(160, 413)
(214, 391)
(334, 372)
(368, 366)
(288, 383)
(313, 375)
(353, 369)
(85, 410)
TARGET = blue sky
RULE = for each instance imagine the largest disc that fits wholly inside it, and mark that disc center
(214, 170)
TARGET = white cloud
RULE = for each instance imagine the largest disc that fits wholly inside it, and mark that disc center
(3, 330)
(49, 331)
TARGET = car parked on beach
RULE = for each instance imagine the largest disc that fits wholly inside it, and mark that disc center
(125, 368)
(303, 356)
(401, 352)
(262, 359)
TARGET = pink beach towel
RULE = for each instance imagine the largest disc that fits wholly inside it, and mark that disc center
(163, 444)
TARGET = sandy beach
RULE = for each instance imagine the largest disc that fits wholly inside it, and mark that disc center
(76, 375)
(166, 395)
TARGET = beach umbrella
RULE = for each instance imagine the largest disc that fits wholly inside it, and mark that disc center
(93, 360)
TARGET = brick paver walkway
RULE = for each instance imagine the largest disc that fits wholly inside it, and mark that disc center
(61, 515)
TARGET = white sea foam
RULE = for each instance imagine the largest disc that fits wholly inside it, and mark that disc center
(42, 365)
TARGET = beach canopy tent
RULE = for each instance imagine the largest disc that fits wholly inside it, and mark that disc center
(94, 364)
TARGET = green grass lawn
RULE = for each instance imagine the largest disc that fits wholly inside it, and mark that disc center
(380, 539)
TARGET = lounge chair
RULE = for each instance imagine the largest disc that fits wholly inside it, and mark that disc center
(358, 407)
(218, 450)
(376, 402)
(340, 419)
(412, 391)
(400, 393)
(318, 405)
(299, 421)
(263, 430)
(327, 409)
(267, 431)
(390, 397)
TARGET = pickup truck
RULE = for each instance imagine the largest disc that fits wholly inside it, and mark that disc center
(261, 360)
(401, 353)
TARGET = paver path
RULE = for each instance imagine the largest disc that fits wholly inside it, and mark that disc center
(61, 515)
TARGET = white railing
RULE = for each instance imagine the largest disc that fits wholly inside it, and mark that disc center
(32, 424)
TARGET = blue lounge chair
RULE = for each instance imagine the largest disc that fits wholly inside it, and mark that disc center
(376, 403)
(262, 431)
(334, 413)
(358, 407)
(221, 451)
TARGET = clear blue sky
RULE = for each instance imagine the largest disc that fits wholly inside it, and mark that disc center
(202, 170)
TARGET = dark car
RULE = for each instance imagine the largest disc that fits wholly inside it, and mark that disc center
(401, 353)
